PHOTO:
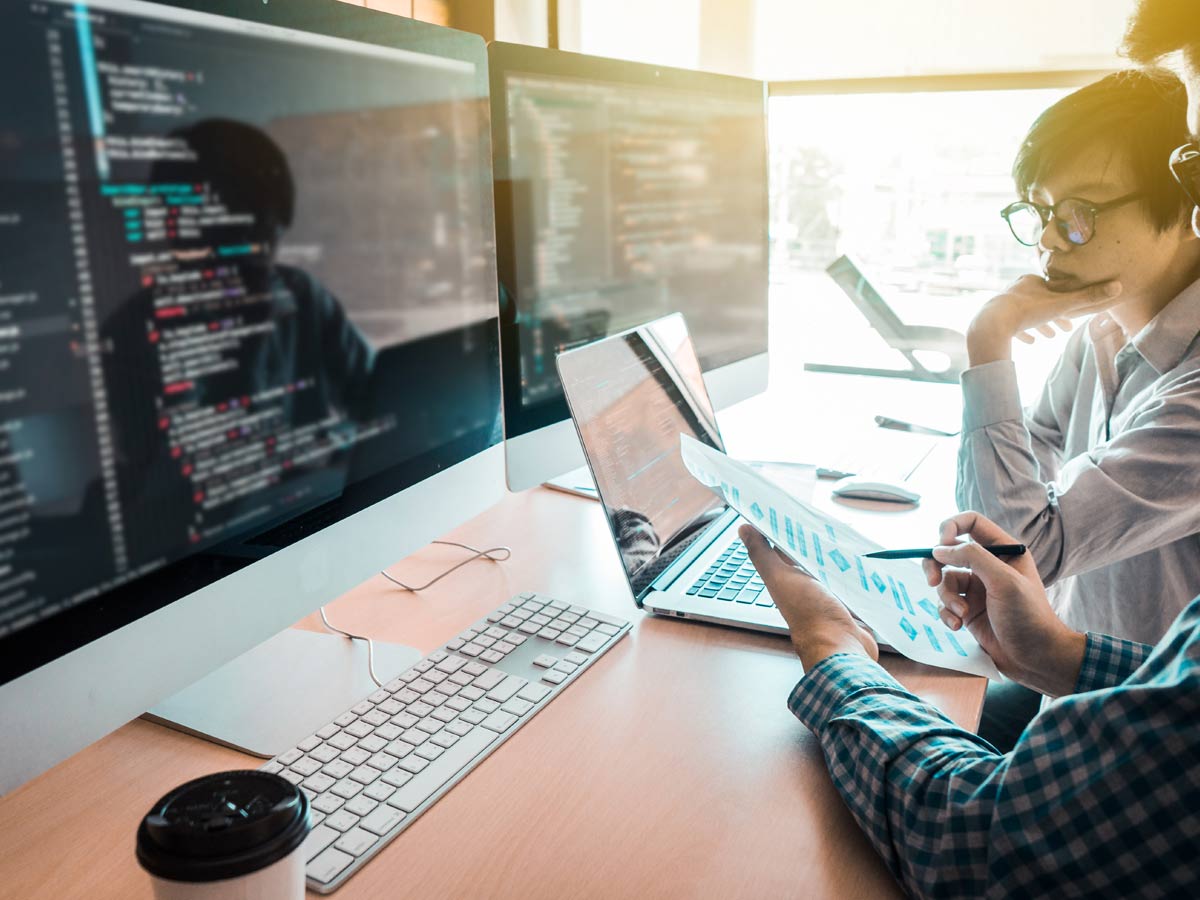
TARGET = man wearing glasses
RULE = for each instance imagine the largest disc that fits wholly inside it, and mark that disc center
(1100, 477)
(1101, 795)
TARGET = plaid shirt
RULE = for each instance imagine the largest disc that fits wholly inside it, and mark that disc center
(1100, 797)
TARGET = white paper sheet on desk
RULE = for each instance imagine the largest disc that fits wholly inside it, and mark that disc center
(890, 595)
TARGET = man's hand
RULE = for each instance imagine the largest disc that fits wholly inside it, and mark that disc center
(819, 623)
(1004, 606)
(1030, 304)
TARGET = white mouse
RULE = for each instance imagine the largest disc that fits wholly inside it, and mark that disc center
(860, 488)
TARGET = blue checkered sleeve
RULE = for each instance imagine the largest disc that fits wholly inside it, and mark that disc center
(1108, 661)
(1099, 797)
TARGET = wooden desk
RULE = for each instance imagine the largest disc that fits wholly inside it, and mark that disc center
(672, 768)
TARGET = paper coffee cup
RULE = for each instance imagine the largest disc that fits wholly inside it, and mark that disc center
(232, 835)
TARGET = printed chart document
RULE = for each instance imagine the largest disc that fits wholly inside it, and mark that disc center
(890, 595)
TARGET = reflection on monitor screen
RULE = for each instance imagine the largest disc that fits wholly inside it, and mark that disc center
(245, 272)
(619, 202)
(631, 397)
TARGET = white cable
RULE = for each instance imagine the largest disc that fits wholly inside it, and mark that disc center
(355, 637)
(489, 554)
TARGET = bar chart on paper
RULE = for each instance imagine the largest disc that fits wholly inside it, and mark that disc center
(891, 596)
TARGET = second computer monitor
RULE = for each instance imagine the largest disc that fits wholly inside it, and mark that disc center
(624, 192)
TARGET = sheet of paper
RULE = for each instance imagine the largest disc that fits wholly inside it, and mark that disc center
(890, 595)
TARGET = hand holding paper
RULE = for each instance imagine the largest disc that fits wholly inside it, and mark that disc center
(892, 596)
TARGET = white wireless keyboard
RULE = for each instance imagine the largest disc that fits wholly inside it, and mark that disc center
(371, 771)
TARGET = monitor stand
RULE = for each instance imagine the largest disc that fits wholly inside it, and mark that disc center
(578, 482)
(275, 695)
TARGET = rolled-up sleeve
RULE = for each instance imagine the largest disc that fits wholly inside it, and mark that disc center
(1131, 494)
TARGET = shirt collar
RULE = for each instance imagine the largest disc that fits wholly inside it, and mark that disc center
(1166, 338)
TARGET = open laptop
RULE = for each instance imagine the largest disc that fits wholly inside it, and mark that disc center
(630, 396)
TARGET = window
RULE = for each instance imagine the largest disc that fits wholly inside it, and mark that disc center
(911, 184)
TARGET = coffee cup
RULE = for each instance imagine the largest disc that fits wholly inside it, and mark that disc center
(232, 835)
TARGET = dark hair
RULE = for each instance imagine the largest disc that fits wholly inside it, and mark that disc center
(1160, 27)
(1141, 115)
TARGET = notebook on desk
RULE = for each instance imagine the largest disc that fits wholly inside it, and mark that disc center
(631, 395)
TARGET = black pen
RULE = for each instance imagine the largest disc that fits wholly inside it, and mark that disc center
(927, 552)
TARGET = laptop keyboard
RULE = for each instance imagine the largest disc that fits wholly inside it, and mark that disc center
(732, 578)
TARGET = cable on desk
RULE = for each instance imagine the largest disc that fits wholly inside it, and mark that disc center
(355, 637)
(490, 554)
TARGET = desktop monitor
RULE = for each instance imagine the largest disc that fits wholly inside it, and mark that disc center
(624, 192)
(249, 348)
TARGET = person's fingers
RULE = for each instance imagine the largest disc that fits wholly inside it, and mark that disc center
(1064, 324)
(1045, 330)
(975, 525)
(971, 555)
(1024, 337)
(769, 563)
(933, 570)
(949, 619)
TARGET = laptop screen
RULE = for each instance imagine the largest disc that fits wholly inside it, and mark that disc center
(631, 396)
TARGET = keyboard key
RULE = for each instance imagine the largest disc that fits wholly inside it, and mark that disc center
(328, 803)
(489, 679)
(516, 707)
(339, 768)
(396, 778)
(545, 660)
(472, 649)
(444, 739)
(383, 820)
(554, 676)
(473, 716)
(360, 729)
(289, 757)
(429, 751)
(491, 656)
(356, 841)
(471, 693)
(309, 743)
(318, 839)
(306, 766)
(346, 789)
(376, 717)
(293, 777)
(382, 761)
(413, 764)
(319, 782)
(361, 709)
(273, 767)
(549, 634)
(342, 820)
(328, 866)
(328, 731)
(425, 784)
(377, 792)
(373, 743)
(343, 741)
(591, 643)
(451, 664)
(506, 688)
(459, 728)
(361, 805)
(356, 756)
(534, 693)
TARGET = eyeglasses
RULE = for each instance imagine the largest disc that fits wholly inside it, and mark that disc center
(1075, 219)
(1185, 166)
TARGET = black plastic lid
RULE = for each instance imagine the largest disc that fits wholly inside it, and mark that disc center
(222, 826)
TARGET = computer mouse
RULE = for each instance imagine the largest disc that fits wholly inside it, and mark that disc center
(860, 488)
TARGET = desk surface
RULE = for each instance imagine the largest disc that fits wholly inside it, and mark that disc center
(672, 768)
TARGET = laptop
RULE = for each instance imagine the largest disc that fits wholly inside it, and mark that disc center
(631, 395)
